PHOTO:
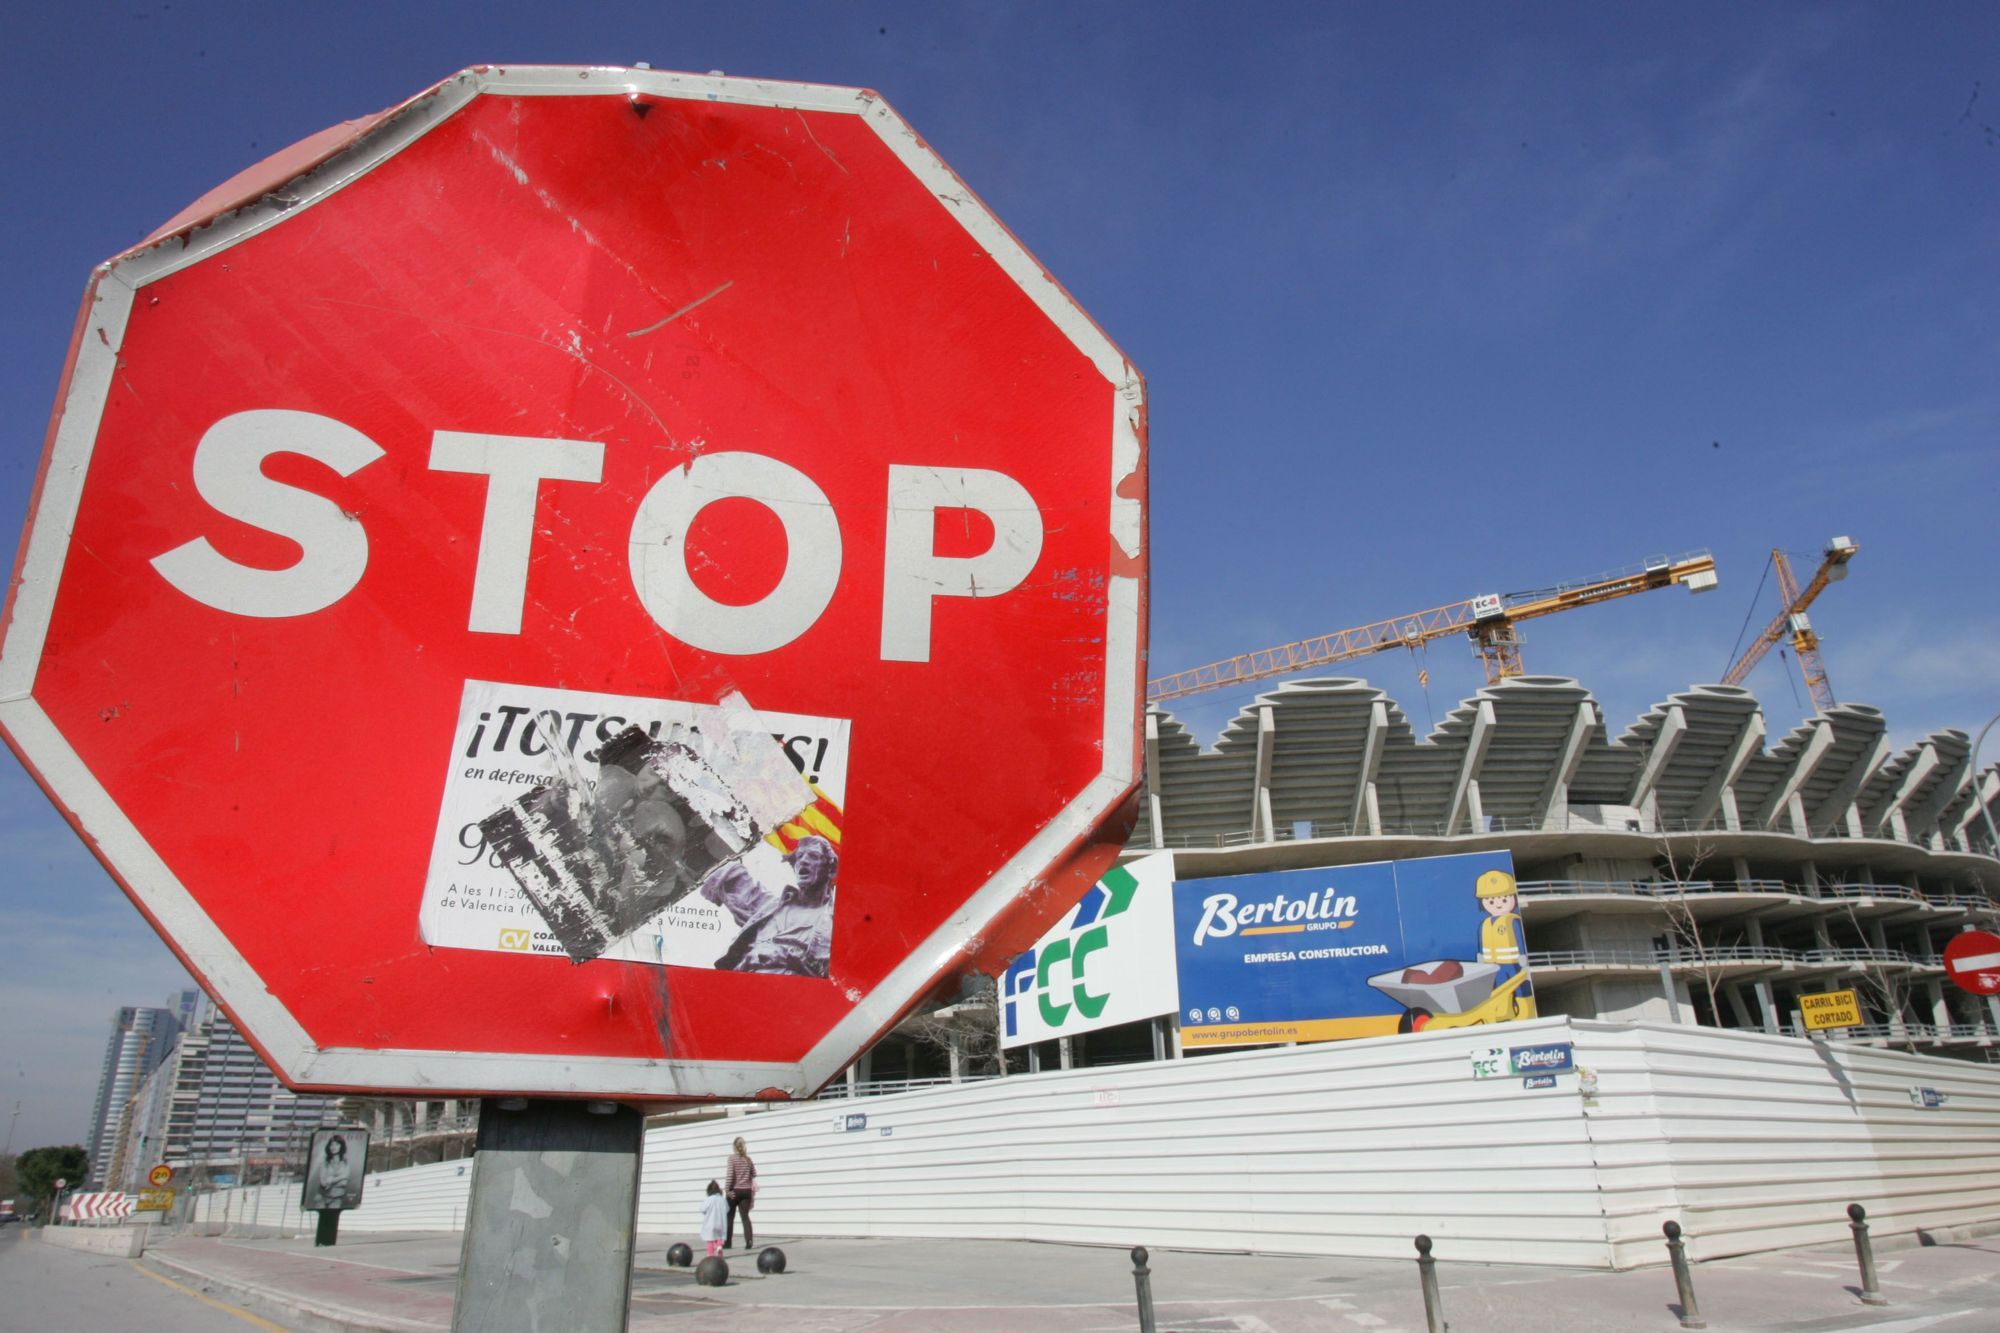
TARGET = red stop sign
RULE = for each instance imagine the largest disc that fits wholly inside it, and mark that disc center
(594, 582)
(1972, 960)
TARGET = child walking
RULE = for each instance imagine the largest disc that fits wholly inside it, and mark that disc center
(714, 1216)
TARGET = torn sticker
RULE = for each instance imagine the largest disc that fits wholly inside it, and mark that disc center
(599, 856)
(643, 830)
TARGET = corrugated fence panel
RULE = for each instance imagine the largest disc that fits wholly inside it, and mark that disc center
(1754, 1142)
(420, 1198)
(430, 1197)
(1346, 1148)
(255, 1208)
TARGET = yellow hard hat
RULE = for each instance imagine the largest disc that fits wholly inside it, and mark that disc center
(1495, 884)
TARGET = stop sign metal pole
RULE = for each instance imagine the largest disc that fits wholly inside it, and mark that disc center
(553, 1219)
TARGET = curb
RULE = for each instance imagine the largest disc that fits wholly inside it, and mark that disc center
(1924, 1238)
(311, 1315)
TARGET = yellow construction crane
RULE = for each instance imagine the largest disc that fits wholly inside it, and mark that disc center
(1791, 618)
(1488, 621)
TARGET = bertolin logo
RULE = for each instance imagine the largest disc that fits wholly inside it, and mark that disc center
(1223, 915)
(1089, 931)
(1542, 1059)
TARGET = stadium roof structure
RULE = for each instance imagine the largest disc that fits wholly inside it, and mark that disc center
(1530, 757)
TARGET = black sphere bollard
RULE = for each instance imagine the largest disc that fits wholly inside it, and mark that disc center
(770, 1259)
(1864, 1253)
(1683, 1278)
(712, 1271)
(679, 1254)
(1142, 1279)
(1427, 1278)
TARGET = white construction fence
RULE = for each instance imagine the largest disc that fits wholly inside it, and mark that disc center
(1750, 1141)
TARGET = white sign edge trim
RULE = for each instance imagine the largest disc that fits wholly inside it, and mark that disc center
(1019, 873)
(403, 127)
(204, 945)
(222, 965)
(896, 134)
(53, 518)
(404, 124)
(169, 901)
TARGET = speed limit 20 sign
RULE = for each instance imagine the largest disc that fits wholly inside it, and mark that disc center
(592, 582)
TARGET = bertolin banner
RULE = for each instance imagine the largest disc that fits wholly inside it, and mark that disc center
(1350, 951)
(1102, 964)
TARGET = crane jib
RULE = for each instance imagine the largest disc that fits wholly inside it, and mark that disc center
(1487, 620)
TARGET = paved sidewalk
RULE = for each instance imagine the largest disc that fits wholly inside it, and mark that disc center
(405, 1283)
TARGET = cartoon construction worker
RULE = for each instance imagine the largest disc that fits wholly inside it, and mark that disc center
(1500, 938)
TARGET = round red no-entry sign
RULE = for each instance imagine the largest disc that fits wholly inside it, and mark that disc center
(595, 582)
(1972, 961)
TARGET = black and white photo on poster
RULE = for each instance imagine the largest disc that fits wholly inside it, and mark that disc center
(336, 1168)
(660, 831)
(785, 926)
(600, 854)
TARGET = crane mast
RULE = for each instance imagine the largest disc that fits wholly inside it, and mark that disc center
(1791, 619)
(1489, 621)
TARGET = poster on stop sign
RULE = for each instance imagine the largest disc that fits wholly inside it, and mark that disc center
(588, 825)
(591, 582)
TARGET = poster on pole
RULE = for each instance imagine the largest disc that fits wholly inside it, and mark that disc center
(1350, 951)
(336, 1169)
(1103, 964)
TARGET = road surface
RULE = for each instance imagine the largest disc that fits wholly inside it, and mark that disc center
(44, 1289)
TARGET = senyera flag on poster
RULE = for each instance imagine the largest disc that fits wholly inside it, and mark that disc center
(593, 582)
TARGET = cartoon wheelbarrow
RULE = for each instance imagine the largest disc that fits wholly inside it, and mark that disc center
(1450, 994)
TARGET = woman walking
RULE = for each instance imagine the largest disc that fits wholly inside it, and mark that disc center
(739, 1186)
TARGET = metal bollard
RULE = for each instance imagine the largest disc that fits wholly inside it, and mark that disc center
(1864, 1251)
(1142, 1278)
(1683, 1279)
(1427, 1276)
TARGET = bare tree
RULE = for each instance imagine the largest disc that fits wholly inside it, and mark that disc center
(1887, 991)
(966, 1030)
(1682, 867)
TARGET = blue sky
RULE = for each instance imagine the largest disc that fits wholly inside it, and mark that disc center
(1432, 301)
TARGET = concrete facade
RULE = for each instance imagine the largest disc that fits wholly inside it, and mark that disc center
(140, 1040)
(212, 1106)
